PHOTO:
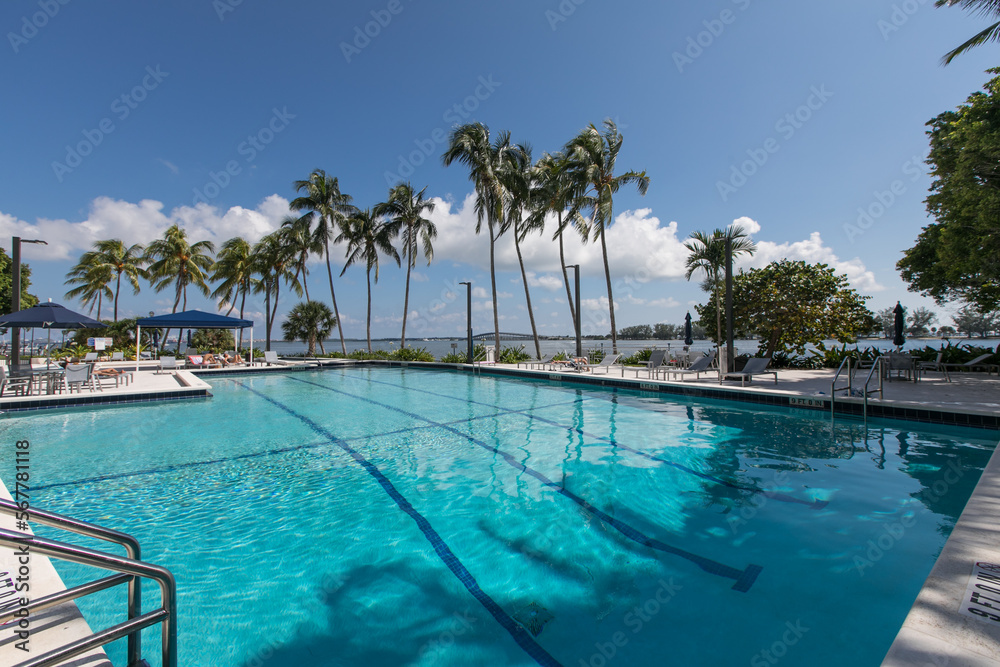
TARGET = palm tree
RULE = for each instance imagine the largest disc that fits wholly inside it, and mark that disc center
(708, 253)
(301, 242)
(173, 260)
(990, 34)
(518, 180)
(470, 145)
(273, 260)
(332, 207)
(91, 277)
(367, 235)
(405, 211)
(309, 321)
(121, 260)
(592, 160)
(554, 193)
(234, 270)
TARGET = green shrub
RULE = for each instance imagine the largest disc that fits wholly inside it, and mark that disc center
(411, 354)
(362, 355)
(639, 358)
(512, 355)
(454, 358)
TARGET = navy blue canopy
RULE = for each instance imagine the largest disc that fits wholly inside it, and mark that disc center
(49, 316)
(194, 319)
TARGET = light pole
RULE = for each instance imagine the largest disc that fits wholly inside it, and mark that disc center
(576, 324)
(468, 318)
(15, 297)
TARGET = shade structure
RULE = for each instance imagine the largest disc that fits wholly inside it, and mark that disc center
(192, 319)
(688, 338)
(898, 324)
(49, 316)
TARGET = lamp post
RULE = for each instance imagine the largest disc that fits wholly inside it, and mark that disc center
(729, 307)
(468, 318)
(576, 324)
(15, 297)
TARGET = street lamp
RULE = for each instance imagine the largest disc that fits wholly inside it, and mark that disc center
(579, 320)
(468, 317)
(15, 297)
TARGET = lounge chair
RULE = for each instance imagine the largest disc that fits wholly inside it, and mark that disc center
(109, 374)
(117, 356)
(167, 364)
(541, 363)
(232, 358)
(271, 358)
(79, 375)
(700, 365)
(754, 366)
(657, 359)
(609, 361)
(935, 365)
(90, 358)
(976, 363)
(211, 361)
(21, 385)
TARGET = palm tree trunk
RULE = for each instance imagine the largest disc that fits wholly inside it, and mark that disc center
(267, 318)
(99, 296)
(718, 313)
(305, 284)
(611, 298)
(406, 298)
(527, 294)
(369, 310)
(562, 263)
(493, 283)
(118, 287)
(274, 310)
(333, 297)
(243, 301)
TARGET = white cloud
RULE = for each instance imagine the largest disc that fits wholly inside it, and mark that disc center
(480, 293)
(142, 222)
(418, 277)
(545, 281)
(669, 302)
(813, 251)
(169, 165)
(504, 295)
(749, 224)
(600, 303)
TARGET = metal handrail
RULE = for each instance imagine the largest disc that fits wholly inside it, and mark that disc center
(877, 366)
(833, 385)
(130, 570)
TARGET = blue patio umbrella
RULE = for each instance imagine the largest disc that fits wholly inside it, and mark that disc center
(898, 323)
(688, 339)
(49, 316)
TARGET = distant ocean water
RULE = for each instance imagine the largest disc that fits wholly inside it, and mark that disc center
(440, 348)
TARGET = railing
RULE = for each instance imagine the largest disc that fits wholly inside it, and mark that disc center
(128, 569)
(833, 385)
(876, 369)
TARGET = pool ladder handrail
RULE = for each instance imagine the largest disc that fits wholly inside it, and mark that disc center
(129, 570)
(849, 387)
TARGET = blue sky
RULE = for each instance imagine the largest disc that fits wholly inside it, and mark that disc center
(123, 118)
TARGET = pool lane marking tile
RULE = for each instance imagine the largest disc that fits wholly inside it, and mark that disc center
(744, 578)
(444, 552)
(772, 495)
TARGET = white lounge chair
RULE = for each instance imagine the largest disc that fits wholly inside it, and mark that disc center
(271, 359)
(541, 363)
(90, 358)
(754, 366)
(117, 356)
(167, 364)
(607, 363)
(976, 363)
(700, 365)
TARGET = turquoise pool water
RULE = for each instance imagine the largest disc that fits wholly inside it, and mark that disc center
(402, 517)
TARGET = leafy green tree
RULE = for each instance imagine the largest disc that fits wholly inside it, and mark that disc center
(366, 236)
(920, 321)
(6, 284)
(708, 254)
(637, 332)
(90, 277)
(947, 330)
(668, 331)
(487, 162)
(792, 304)
(990, 34)
(405, 209)
(593, 157)
(971, 320)
(213, 340)
(234, 271)
(122, 260)
(309, 322)
(173, 260)
(322, 194)
(957, 257)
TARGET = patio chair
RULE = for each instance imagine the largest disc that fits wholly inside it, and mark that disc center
(976, 363)
(167, 364)
(79, 375)
(754, 366)
(541, 363)
(657, 359)
(935, 365)
(113, 374)
(232, 358)
(117, 356)
(607, 363)
(90, 358)
(271, 359)
(21, 385)
(700, 365)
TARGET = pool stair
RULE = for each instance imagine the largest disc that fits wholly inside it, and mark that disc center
(128, 570)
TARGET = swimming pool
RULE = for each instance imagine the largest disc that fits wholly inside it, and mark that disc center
(376, 516)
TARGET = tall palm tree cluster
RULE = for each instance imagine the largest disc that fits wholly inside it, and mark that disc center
(513, 194)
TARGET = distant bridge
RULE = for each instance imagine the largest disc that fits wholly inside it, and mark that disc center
(504, 335)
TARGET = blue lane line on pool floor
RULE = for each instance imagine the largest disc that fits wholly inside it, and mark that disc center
(527, 412)
(444, 552)
(744, 578)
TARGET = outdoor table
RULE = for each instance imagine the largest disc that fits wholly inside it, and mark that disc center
(52, 377)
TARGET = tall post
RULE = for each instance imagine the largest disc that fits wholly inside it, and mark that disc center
(577, 323)
(729, 306)
(15, 300)
(468, 318)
